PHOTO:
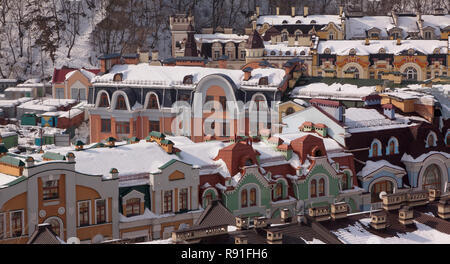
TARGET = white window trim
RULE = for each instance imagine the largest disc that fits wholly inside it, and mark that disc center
(106, 208)
(89, 211)
(10, 221)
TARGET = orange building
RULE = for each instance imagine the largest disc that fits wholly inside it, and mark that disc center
(74, 204)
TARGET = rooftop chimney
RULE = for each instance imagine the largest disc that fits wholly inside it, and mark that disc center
(247, 73)
(305, 11)
(285, 218)
(293, 11)
(367, 41)
(399, 42)
(260, 222)
(240, 240)
(241, 223)
(389, 111)
(257, 11)
(29, 162)
(274, 237)
(70, 157)
(114, 173)
(278, 10)
(341, 11)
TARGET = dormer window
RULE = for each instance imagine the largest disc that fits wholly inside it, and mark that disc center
(431, 140)
(284, 22)
(263, 81)
(284, 36)
(288, 53)
(118, 77)
(298, 22)
(313, 22)
(298, 34)
(392, 147)
(411, 52)
(327, 51)
(382, 51)
(133, 207)
(273, 53)
(352, 52)
(248, 162)
(302, 53)
(428, 35)
(331, 36)
(188, 79)
(104, 102)
(437, 51)
(152, 102)
(121, 105)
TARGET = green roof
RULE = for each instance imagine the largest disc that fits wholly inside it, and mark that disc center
(98, 145)
(134, 139)
(3, 149)
(53, 156)
(172, 161)
(111, 139)
(79, 143)
(12, 161)
(16, 181)
(147, 138)
(167, 142)
(157, 134)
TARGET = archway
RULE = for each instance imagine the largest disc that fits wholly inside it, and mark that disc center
(432, 178)
(378, 187)
(57, 226)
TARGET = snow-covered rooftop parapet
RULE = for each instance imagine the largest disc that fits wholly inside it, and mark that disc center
(421, 158)
(336, 90)
(147, 75)
(311, 19)
(220, 37)
(372, 166)
(361, 120)
(343, 47)
(274, 50)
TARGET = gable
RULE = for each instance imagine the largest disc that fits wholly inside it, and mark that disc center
(176, 175)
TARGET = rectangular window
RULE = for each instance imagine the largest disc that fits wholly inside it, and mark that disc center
(167, 201)
(242, 54)
(372, 75)
(50, 190)
(380, 75)
(106, 125)
(133, 207)
(2, 226)
(59, 93)
(436, 74)
(153, 126)
(16, 223)
(216, 54)
(78, 93)
(123, 127)
(83, 213)
(184, 199)
(100, 206)
(428, 75)
(444, 73)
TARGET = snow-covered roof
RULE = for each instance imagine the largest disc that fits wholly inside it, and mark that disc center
(334, 91)
(11, 103)
(372, 166)
(89, 75)
(5, 179)
(220, 37)
(166, 76)
(356, 27)
(343, 47)
(409, 158)
(19, 89)
(358, 233)
(362, 120)
(319, 19)
(283, 47)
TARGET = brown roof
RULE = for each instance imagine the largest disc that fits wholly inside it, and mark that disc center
(325, 102)
(44, 235)
(255, 41)
(215, 215)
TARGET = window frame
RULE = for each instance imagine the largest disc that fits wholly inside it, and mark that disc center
(48, 196)
(121, 103)
(122, 126)
(244, 198)
(105, 211)
(134, 202)
(312, 188)
(184, 198)
(105, 125)
(168, 203)
(22, 220)
(2, 225)
(253, 197)
(88, 213)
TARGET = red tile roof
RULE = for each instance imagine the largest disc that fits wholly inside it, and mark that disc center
(325, 102)
(59, 75)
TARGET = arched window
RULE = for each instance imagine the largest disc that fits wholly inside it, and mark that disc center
(121, 105)
(375, 149)
(260, 102)
(284, 36)
(253, 197)
(248, 162)
(244, 199)
(352, 52)
(104, 102)
(344, 181)
(327, 51)
(331, 36)
(313, 22)
(152, 102)
(208, 198)
(273, 53)
(290, 110)
(432, 178)
(298, 22)
(431, 140)
(322, 187)
(56, 227)
(302, 53)
(392, 147)
(278, 190)
(355, 72)
(263, 81)
(382, 51)
(312, 188)
(288, 53)
(411, 73)
(284, 22)
(447, 139)
(298, 34)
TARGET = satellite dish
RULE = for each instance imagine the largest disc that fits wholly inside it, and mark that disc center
(383, 193)
(73, 240)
